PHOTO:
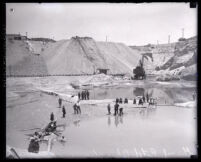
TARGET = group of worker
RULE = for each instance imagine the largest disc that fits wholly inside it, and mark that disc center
(76, 108)
(37, 137)
(84, 95)
(150, 101)
(120, 100)
(49, 129)
(117, 110)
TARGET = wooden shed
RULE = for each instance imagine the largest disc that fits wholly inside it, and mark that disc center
(104, 71)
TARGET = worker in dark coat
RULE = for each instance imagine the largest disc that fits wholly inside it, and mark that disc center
(120, 101)
(108, 109)
(116, 108)
(79, 95)
(140, 102)
(52, 117)
(134, 101)
(78, 108)
(75, 108)
(117, 100)
(34, 144)
(51, 127)
(60, 102)
(147, 97)
(126, 100)
(87, 94)
(82, 94)
(143, 98)
(63, 111)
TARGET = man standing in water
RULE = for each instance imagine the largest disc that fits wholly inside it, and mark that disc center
(64, 111)
(60, 102)
(52, 117)
(82, 95)
(78, 107)
(134, 101)
(75, 108)
(116, 107)
(108, 109)
(79, 95)
(34, 144)
(143, 98)
(147, 97)
(87, 94)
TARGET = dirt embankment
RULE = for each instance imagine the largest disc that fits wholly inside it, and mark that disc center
(20, 60)
(176, 60)
(79, 55)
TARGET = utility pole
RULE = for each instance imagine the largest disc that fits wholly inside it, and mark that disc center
(106, 38)
(168, 39)
(182, 32)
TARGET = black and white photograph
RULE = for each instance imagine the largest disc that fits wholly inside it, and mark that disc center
(101, 80)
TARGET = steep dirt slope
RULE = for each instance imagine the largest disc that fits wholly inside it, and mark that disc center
(120, 58)
(172, 59)
(21, 61)
(84, 55)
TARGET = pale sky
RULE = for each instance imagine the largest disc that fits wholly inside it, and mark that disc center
(129, 23)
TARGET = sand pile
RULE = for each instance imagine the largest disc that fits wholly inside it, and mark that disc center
(83, 55)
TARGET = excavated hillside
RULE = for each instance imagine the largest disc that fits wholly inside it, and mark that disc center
(21, 60)
(78, 55)
(120, 58)
(175, 59)
(83, 55)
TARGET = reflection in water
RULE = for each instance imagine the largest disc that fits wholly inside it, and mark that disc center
(165, 95)
(109, 120)
(116, 121)
(145, 113)
(121, 119)
(77, 123)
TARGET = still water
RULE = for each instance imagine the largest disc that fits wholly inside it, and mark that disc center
(161, 132)
(164, 95)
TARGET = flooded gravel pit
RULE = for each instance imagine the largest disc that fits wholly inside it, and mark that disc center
(167, 131)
